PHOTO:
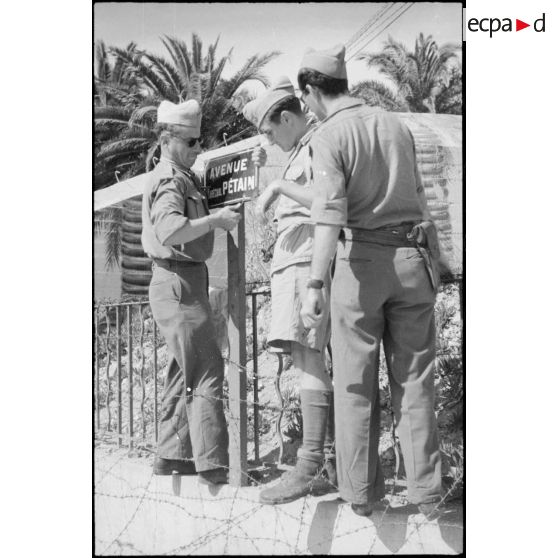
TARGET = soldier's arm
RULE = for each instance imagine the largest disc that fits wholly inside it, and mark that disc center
(329, 204)
(325, 244)
(172, 227)
(304, 196)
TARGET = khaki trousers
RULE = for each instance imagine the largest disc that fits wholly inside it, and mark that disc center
(192, 419)
(383, 294)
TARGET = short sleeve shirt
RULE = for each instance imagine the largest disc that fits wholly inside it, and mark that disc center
(173, 196)
(364, 169)
(294, 226)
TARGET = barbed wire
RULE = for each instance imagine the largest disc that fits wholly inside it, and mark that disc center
(231, 525)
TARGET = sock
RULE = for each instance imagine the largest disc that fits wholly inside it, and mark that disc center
(315, 406)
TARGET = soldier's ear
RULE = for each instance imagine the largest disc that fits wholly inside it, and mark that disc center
(286, 117)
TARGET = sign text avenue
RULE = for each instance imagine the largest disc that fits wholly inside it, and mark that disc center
(229, 178)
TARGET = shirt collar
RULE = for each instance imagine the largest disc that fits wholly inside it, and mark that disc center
(175, 166)
(301, 143)
(343, 103)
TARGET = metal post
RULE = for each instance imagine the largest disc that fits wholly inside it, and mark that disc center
(119, 374)
(142, 379)
(107, 370)
(156, 410)
(97, 385)
(238, 426)
(130, 379)
(255, 373)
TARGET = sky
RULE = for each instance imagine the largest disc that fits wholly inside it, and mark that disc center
(251, 28)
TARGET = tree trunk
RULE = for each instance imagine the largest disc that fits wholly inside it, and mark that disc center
(136, 266)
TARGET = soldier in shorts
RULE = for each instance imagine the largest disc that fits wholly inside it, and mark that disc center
(277, 113)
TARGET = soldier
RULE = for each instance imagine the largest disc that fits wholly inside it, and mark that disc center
(278, 115)
(370, 206)
(178, 234)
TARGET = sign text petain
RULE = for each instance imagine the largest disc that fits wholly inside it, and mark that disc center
(230, 178)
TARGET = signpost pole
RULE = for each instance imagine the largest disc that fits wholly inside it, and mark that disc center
(238, 424)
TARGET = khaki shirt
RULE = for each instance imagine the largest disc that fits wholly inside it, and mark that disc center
(294, 226)
(171, 197)
(364, 169)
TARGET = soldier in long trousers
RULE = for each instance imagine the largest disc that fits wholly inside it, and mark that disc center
(369, 206)
(178, 234)
(278, 114)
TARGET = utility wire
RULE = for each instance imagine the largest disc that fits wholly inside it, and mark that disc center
(372, 27)
(401, 12)
(383, 16)
(366, 27)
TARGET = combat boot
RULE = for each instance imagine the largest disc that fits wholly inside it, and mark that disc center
(299, 482)
(330, 470)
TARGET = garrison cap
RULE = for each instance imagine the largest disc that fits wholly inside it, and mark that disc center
(330, 62)
(187, 114)
(256, 110)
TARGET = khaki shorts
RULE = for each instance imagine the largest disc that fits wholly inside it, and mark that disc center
(288, 287)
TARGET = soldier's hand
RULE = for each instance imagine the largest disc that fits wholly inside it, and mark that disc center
(312, 308)
(227, 218)
(259, 157)
(265, 199)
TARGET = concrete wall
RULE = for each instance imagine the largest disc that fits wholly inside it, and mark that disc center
(139, 513)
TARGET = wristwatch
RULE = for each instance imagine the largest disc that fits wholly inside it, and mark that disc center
(314, 283)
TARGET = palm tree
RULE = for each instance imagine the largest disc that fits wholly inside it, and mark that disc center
(419, 76)
(125, 118)
(375, 93)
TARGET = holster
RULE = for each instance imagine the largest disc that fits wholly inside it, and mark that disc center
(425, 236)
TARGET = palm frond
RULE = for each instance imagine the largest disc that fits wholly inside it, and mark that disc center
(168, 74)
(103, 68)
(180, 56)
(113, 237)
(136, 66)
(123, 147)
(375, 93)
(197, 53)
(215, 77)
(252, 69)
(112, 112)
(144, 117)
(210, 58)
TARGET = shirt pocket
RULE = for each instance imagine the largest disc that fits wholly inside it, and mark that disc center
(194, 206)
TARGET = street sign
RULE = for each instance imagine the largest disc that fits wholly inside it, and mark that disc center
(230, 178)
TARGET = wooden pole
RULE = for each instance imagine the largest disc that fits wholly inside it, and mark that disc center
(238, 424)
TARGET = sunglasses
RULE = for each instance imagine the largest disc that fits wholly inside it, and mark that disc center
(190, 142)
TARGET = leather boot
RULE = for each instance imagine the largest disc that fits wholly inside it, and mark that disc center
(214, 476)
(164, 466)
(295, 484)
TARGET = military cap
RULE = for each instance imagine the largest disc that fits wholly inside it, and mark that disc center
(256, 110)
(187, 115)
(330, 62)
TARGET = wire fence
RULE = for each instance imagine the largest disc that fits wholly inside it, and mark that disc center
(129, 358)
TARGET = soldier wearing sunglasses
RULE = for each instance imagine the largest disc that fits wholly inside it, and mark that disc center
(178, 235)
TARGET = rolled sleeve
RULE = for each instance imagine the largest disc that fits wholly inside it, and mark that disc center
(329, 206)
(167, 211)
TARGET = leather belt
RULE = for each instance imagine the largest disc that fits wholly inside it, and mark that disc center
(389, 235)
